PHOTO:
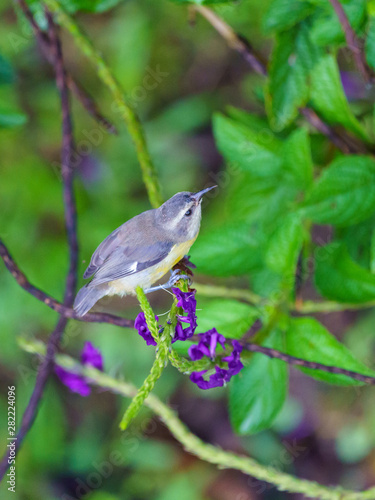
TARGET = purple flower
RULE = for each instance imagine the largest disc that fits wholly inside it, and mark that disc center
(207, 345)
(90, 356)
(234, 360)
(217, 379)
(75, 382)
(143, 330)
(188, 302)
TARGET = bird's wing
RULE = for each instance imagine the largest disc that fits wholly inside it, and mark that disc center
(130, 259)
(103, 251)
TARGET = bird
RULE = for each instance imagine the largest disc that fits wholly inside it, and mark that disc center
(142, 250)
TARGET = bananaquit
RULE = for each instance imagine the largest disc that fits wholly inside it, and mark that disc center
(142, 250)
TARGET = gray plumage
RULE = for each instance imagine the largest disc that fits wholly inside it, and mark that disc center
(134, 251)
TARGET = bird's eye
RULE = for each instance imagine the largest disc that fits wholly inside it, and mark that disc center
(189, 212)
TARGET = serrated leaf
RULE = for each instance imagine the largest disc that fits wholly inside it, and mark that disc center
(247, 149)
(284, 246)
(258, 392)
(345, 192)
(292, 60)
(230, 317)
(306, 338)
(357, 239)
(328, 97)
(297, 157)
(284, 14)
(230, 249)
(261, 200)
(338, 277)
(370, 42)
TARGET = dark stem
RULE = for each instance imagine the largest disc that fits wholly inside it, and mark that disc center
(46, 367)
(342, 141)
(49, 301)
(352, 41)
(292, 360)
(82, 95)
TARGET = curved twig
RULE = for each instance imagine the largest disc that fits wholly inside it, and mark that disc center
(352, 41)
(70, 223)
(345, 143)
(206, 451)
(45, 44)
(54, 304)
(292, 360)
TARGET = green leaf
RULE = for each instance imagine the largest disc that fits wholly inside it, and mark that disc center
(308, 339)
(258, 392)
(326, 28)
(9, 119)
(338, 277)
(230, 249)
(292, 60)
(6, 71)
(96, 6)
(249, 150)
(284, 246)
(204, 2)
(357, 239)
(230, 317)
(372, 251)
(370, 42)
(345, 192)
(284, 14)
(328, 97)
(297, 157)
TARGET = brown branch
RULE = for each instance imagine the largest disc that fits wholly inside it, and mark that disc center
(52, 303)
(82, 95)
(343, 142)
(352, 41)
(47, 364)
(292, 360)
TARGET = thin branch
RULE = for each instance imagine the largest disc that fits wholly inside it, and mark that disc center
(205, 451)
(45, 44)
(57, 306)
(70, 223)
(325, 307)
(292, 360)
(302, 307)
(243, 47)
(124, 107)
(229, 293)
(352, 41)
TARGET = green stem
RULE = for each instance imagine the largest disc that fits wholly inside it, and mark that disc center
(149, 174)
(196, 446)
(160, 362)
(185, 366)
(147, 386)
(228, 293)
(310, 307)
(307, 307)
(148, 312)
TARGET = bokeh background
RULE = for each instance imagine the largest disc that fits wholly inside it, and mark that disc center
(323, 433)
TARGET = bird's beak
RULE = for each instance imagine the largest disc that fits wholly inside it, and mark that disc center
(198, 196)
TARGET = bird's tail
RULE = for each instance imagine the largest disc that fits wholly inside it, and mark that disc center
(87, 297)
